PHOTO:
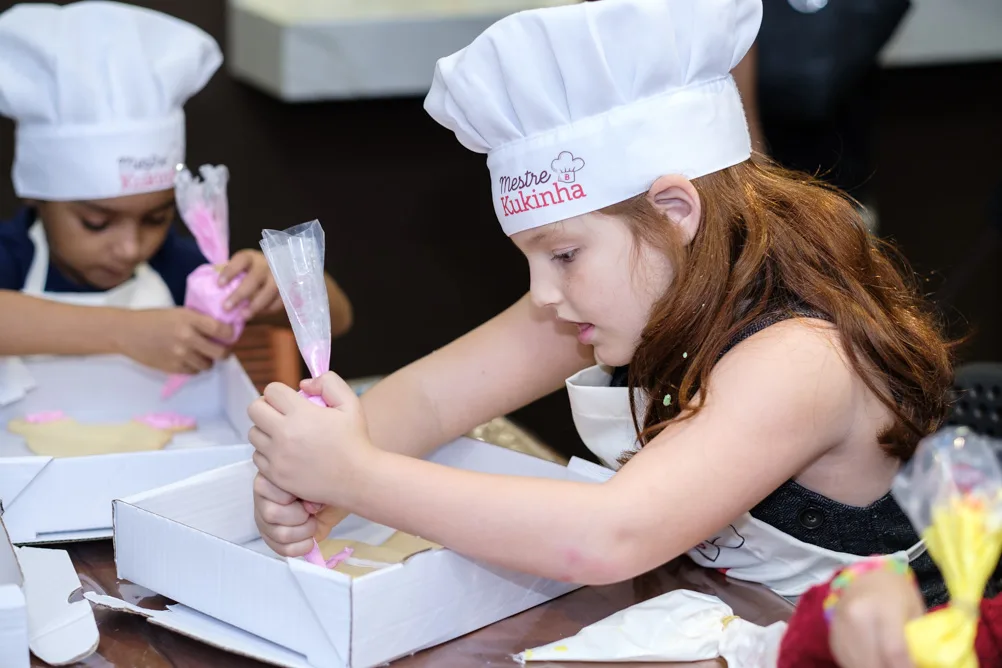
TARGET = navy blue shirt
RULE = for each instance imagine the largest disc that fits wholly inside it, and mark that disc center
(177, 258)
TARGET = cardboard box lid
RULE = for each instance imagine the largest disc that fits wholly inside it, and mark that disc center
(195, 625)
(35, 608)
(60, 632)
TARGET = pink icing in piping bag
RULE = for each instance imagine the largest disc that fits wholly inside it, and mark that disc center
(203, 205)
(296, 259)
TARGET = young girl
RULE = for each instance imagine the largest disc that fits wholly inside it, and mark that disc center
(775, 362)
(97, 90)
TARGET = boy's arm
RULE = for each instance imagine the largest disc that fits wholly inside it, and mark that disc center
(340, 308)
(341, 312)
(34, 326)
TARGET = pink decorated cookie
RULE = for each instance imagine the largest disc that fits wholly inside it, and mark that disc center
(44, 417)
(168, 421)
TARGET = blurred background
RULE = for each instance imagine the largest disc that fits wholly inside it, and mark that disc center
(318, 114)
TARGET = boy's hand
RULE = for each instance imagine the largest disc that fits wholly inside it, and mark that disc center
(175, 340)
(257, 288)
(868, 627)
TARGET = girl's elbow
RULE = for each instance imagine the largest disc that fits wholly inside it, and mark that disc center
(616, 560)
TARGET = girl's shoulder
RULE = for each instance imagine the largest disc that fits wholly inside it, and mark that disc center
(799, 363)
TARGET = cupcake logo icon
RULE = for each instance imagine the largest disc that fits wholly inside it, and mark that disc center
(565, 166)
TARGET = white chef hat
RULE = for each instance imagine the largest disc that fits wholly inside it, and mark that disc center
(96, 90)
(586, 105)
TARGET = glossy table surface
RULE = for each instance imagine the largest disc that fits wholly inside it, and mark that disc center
(128, 641)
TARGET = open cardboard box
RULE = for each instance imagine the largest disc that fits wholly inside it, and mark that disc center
(48, 499)
(195, 542)
(36, 613)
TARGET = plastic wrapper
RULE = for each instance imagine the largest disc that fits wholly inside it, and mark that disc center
(296, 259)
(680, 626)
(952, 492)
(204, 208)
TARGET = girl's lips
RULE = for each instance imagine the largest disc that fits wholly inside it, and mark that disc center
(586, 332)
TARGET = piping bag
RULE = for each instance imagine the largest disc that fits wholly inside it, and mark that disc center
(952, 492)
(296, 259)
(204, 208)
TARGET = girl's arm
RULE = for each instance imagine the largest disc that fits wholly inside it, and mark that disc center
(520, 355)
(776, 403)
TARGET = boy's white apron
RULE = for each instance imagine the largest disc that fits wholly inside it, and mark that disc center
(747, 549)
(145, 290)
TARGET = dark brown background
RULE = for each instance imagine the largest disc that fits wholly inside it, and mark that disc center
(411, 233)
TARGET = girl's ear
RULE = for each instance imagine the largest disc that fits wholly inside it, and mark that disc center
(676, 198)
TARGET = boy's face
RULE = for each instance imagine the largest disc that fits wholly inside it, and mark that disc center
(100, 242)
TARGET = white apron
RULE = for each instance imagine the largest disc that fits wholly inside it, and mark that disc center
(748, 549)
(145, 290)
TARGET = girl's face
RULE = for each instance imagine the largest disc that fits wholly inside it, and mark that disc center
(100, 243)
(592, 272)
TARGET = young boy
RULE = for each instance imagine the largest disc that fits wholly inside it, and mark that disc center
(94, 264)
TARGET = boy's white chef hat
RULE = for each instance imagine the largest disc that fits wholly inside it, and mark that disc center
(96, 90)
(586, 105)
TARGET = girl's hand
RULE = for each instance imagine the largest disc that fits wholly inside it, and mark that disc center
(314, 452)
(868, 626)
(257, 288)
(284, 523)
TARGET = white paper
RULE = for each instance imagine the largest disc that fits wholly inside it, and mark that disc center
(679, 626)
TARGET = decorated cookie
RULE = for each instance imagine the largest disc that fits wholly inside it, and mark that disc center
(52, 434)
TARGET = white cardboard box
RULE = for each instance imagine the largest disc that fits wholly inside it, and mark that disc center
(195, 542)
(48, 499)
(306, 50)
(13, 611)
(36, 613)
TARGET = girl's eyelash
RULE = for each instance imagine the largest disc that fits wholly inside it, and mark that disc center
(566, 256)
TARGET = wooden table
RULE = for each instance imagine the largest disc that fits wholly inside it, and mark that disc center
(128, 641)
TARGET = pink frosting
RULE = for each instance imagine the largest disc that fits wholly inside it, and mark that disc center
(316, 557)
(43, 417)
(343, 555)
(318, 356)
(167, 420)
(205, 295)
(319, 401)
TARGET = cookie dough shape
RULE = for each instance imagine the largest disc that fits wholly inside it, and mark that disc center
(66, 437)
(395, 550)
